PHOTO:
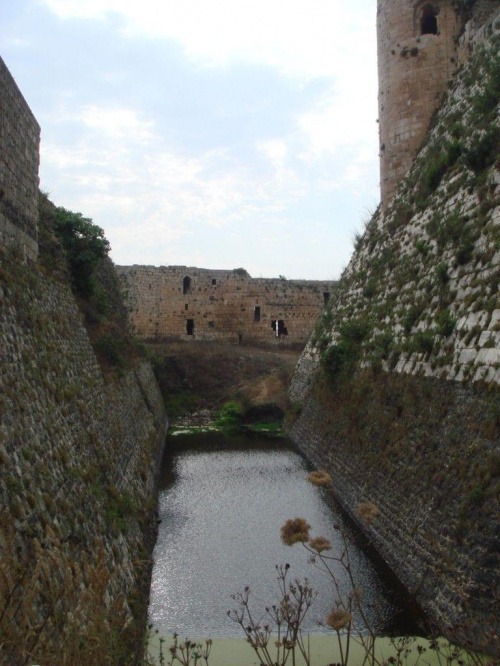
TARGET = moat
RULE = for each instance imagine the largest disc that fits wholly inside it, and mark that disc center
(222, 503)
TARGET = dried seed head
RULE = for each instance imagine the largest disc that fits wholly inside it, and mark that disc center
(294, 530)
(338, 619)
(320, 478)
(320, 544)
(367, 511)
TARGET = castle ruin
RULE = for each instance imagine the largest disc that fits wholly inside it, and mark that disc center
(177, 302)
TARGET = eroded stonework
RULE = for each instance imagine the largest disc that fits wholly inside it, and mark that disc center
(185, 302)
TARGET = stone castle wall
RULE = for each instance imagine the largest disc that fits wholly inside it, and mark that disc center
(19, 158)
(79, 455)
(186, 303)
(415, 67)
(397, 392)
(79, 451)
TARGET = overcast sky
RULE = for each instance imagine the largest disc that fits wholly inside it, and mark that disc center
(210, 133)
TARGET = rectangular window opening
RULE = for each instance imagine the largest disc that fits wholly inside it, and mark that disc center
(279, 328)
(256, 313)
(190, 326)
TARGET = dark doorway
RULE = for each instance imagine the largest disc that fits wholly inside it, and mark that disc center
(240, 338)
(186, 285)
(256, 313)
(326, 297)
(428, 22)
(190, 326)
(214, 281)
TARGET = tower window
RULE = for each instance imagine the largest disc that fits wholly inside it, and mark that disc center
(256, 313)
(428, 21)
(190, 326)
(186, 285)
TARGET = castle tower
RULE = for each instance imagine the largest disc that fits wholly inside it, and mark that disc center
(416, 59)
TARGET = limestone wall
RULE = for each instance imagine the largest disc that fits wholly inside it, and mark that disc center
(19, 158)
(78, 454)
(397, 392)
(221, 305)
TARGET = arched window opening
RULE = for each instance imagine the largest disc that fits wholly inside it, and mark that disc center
(186, 285)
(428, 21)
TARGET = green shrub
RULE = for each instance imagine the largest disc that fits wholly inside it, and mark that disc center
(484, 153)
(338, 358)
(84, 244)
(383, 343)
(440, 160)
(423, 342)
(354, 330)
(465, 251)
(442, 273)
(422, 247)
(410, 318)
(229, 415)
(446, 323)
(369, 290)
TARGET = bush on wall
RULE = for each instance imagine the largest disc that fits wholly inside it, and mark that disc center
(84, 244)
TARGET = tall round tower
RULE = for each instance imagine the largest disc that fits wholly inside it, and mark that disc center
(416, 58)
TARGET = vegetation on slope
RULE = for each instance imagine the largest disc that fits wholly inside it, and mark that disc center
(75, 250)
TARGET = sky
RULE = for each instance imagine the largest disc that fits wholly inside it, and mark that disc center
(210, 133)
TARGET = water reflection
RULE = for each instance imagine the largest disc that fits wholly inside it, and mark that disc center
(222, 505)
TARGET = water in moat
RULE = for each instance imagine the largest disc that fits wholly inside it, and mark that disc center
(222, 503)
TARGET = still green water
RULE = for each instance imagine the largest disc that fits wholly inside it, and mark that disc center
(222, 503)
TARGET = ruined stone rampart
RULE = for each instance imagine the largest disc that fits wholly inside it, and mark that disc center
(195, 303)
(397, 392)
(19, 158)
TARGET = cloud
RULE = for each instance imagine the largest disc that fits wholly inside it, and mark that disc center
(116, 123)
(213, 128)
(301, 38)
